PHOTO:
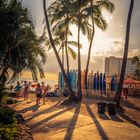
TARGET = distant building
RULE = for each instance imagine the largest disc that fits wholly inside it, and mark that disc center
(113, 66)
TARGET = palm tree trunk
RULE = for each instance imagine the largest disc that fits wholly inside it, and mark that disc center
(117, 97)
(79, 92)
(72, 96)
(67, 59)
(90, 46)
(66, 47)
(63, 55)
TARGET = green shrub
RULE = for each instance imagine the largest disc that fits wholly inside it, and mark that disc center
(8, 131)
(8, 124)
(7, 115)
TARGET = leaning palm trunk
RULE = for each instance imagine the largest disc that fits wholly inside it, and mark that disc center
(72, 96)
(79, 90)
(89, 51)
(117, 97)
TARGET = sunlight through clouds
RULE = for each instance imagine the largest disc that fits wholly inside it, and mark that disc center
(109, 42)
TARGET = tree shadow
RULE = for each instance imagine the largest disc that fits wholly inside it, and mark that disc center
(101, 131)
(30, 108)
(43, 111)
(49, 118)
(72, 124)
(124, 116)
(130, 105)
(54, 126)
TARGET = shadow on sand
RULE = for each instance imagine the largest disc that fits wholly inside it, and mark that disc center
(127, 118)
(130, 105)
(49, 118)
(43, 111)
(72, 124)
(101, 131)
(30, 108)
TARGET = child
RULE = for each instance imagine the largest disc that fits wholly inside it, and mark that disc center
(38, 94)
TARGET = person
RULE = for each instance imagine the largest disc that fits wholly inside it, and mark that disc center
(25, 84)
(44, 90)
(56, 91)
(38, 94)
(18, 89)
(25, 92)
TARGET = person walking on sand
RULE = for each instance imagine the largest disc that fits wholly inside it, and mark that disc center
(18, 89)
(38, 94)
(25, 90)
(44, 91)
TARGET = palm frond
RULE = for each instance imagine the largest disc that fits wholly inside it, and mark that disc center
(106, 4)
(72, 52)
(100, 22)
(74, 43)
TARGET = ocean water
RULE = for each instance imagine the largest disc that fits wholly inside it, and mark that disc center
(52, 83)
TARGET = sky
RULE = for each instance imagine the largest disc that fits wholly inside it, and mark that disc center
(105, 44)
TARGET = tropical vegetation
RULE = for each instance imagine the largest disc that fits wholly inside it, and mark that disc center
(72, 95)
(85, 14)
(20, 47)
(8, 124)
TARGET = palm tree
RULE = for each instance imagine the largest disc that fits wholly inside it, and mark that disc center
(78, 17)
(22, 47)
(60, 12)
(117, 97)
(95, 15)
(72, 96)
(60, 15)
(79, 92)
(60, 41)
(73, 18)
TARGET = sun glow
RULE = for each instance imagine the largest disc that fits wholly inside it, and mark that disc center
(101, 42)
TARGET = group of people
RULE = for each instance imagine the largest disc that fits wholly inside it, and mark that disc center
(24, 89)
(21, 90)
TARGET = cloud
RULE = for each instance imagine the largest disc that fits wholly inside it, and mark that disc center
(118, 42)
(96, 63)
(134, 52)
